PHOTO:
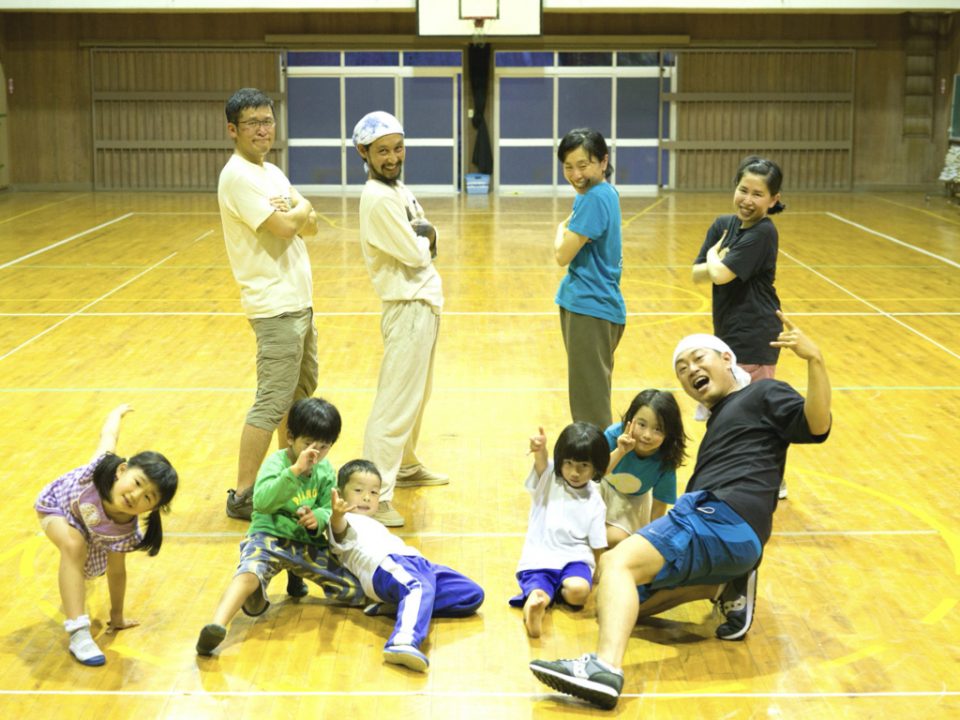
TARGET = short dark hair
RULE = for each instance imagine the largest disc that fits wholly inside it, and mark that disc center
(355, 466)
(315, 418)
(582, 442)
(771, 174)
(664, 404)
(246, 98)
(592, 143)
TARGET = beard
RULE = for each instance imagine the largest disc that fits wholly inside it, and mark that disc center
(375, 175)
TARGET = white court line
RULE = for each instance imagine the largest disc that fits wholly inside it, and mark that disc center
(875, 307)
(471, 694)
(64, 241)
(78, 312)
(489, 535)
(491, 390)
(365, 313)
(892, 239)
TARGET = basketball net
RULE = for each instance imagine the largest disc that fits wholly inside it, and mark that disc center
(478, 31)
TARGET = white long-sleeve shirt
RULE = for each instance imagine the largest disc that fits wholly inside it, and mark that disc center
(397, 259)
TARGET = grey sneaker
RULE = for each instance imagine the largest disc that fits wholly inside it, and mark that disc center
(419, 476)
(240, 505)
(736, 604)
(585, 677)
(387, 515)
(406, 655)
(211, 636)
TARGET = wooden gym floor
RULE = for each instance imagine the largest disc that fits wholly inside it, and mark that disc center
(110, 298)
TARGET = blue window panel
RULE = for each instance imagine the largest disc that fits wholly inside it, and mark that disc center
(584, 102)
(363, 95)
(526, 165)
(669, 59)
(638, 104)
(638, 59)
(427, 58)
(665, 168)
(428, 166)
(428, 107)
(524, 59)
(313, 107)
(314, 165)
(526, 108)
(585, 59)
(356, 175)
(636, 166)
(313, 59)
(372, 58)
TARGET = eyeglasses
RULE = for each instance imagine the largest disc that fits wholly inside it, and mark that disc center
(257, 124)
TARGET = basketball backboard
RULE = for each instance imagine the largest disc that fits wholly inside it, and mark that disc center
(499, 18)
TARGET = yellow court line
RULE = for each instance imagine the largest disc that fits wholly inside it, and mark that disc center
(328, 221)
(940, 611)
(920, 210)
(868, 651)
(132, 652)
(21, 546)
(643, 212)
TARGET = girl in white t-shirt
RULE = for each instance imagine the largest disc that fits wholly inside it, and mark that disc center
(566, 528)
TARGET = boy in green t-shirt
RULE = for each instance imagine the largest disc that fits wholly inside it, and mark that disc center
(291, 507)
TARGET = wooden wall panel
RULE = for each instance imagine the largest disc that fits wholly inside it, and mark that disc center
(47, 55)
(158, 121)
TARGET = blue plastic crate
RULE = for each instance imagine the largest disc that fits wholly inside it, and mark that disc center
(478, 183)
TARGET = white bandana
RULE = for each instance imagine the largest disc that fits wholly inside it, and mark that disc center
(375, 125)
(710, 342)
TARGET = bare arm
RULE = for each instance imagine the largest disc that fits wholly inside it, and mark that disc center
(117, 584)
(538, 446)
(713, 269)
(110, 432)
(566, 244)
(310, 228)
(625, 443)
(816, 406)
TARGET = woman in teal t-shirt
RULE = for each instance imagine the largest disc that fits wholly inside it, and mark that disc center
(592, 312)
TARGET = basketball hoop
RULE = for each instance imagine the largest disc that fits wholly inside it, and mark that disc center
(479, 11)
(477, 38)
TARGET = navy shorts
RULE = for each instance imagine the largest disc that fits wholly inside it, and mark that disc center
(703, 542)
(550, 581)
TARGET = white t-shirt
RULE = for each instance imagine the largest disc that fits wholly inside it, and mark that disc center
(273, 273)
(566, 524)
(397, 259)
(364, 546)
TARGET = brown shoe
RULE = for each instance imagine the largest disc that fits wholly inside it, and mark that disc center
(387, 515)
(419, 476)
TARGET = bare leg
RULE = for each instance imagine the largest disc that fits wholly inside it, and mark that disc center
(533, 612)
(237, 591)
(254, 444)
(614, 536)
(575, 591)
(664, 600)
(633, 562)
(73, 554)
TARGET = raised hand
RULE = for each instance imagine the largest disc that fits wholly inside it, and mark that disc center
(538, 442)
(339, 505)
(793, 338)
(308, 458)
(626, 441)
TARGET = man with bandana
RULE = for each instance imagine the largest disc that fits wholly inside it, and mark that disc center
(398, 245)
(710, 543)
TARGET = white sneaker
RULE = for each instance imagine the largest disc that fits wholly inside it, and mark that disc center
(782, 494)
(82, 645)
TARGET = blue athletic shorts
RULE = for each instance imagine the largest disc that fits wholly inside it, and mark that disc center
(550, 581)
(703, 541)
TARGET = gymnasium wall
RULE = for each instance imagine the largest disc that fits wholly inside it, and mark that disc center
(48, 57)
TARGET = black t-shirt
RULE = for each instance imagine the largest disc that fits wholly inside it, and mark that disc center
(744, 309)
(743, 453)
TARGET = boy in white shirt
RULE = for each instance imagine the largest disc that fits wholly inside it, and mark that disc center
(396, 576)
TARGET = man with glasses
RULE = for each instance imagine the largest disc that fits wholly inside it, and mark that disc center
(263, 220)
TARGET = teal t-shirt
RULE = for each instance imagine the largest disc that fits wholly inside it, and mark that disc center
(592, 283)
(278, 493)
(635, 475)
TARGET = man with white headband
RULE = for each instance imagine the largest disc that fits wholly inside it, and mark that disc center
(714, 535)
(398, 245)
